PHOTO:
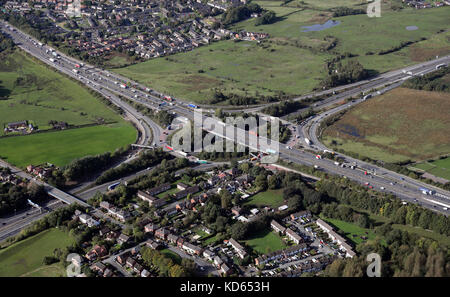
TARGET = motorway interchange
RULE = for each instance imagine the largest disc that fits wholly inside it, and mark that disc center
(109, 85)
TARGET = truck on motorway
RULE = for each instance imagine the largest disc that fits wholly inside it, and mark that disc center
(202, 162)
(75, 71)
(192, 106)
(123, 86)
(52, 60)
(113, 186)
(308, 141)
(427, 191)
(367, 97)
(441, 66)
(168, 98)
(318, 157)
(77, 65)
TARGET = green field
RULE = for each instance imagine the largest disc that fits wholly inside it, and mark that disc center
(439, 168)
(352, 231)
(61, 147)
(291, 60)
(39, 95)
(266, 242)
(46, 95)
(272, 198)
(401, 125)
(233, 67)
(25, 257)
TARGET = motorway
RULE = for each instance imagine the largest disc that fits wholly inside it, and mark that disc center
(403, 187)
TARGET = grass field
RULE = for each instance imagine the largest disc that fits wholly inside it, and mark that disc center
(266, 242)
(352, 231)
(440, 168)
(272, 198)
(400, 125)
(61, 147)
(233, 67)
(25, 257)
(39, 95)
(46, 95)
(293, 61)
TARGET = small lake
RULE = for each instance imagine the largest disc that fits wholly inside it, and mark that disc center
(320, 27)
(412, 28)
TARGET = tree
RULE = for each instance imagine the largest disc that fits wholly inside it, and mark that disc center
(225, 198)
(261, 182)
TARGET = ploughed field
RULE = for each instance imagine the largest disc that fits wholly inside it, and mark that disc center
(401, 125)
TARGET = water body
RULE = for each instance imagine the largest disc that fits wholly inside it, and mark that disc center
(412, 28)
(320, 27)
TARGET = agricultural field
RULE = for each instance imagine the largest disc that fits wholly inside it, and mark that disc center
(40, 95)
(291, 60)
(352, 231)
(61, 147)
(401, 125)
(266, 242)
(439, 168)
(233, 67)
(25, 257)
(272, 198)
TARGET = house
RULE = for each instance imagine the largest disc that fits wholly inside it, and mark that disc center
(105, 230)
(290, 251)
(293, 236)
(136, 250)
(88, 220)
(160, 189)
(98, 267)
(180, 242)
(130, 262)
(238, 248)
(209, 255)
(162, 233)
(217, 261)
(225, 269)
(192, 249)
(300, 215)
(96, 252)
(172, 238)
(138, 268)
(150, 228)
(152, 244)
(121, 259)
(146, 197)
(123, 238)
(186, 192)
(236, 210)
(108, 273)
(277, 227)
(336, 238)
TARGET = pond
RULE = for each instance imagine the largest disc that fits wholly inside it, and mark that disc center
(412, 28)
(320, 27)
